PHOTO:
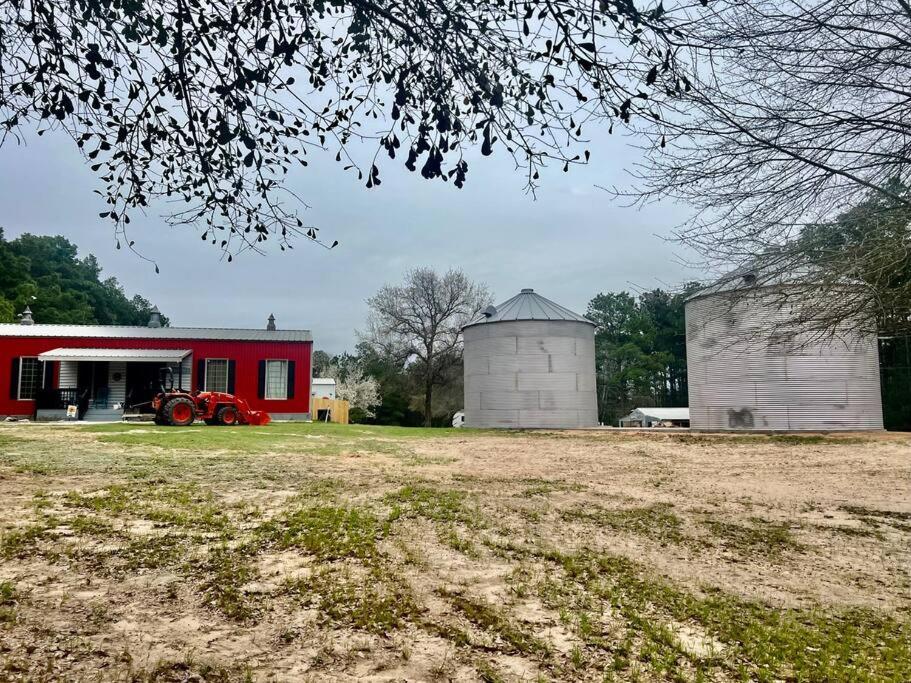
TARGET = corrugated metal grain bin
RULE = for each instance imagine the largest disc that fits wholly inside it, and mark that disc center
(530, 362)
(750, 369)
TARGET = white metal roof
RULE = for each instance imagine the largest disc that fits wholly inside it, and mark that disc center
(142, 332)
(527, 305)
(663, 413)
(323, 380)
(147, 355)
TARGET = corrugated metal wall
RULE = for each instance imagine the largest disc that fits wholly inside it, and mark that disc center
(530, 373)
(117, 388)
(69, 374)
(743, 377)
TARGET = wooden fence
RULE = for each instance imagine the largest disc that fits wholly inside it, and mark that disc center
(337, 410)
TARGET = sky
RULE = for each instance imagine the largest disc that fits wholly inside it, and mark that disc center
(569, 243)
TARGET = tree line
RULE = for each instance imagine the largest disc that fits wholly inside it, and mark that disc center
(47, 275)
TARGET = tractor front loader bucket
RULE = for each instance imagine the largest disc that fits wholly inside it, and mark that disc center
(257, 418)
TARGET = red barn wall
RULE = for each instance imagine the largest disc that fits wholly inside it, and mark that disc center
(247, 355)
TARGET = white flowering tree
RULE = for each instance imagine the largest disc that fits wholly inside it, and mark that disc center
(351, 384)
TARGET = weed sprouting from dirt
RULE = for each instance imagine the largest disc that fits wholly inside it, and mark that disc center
(9, 599)
(364, 598)
(657, 522)
(770, 539)
(515, 639)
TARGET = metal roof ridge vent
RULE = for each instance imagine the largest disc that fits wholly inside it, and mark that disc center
(25, 318)
(154, 317)
(270, 325)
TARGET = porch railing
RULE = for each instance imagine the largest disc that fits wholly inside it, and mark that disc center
(59, 399)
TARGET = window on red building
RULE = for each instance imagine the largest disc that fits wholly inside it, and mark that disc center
(29, 378)
(276, 379)
(217, 374)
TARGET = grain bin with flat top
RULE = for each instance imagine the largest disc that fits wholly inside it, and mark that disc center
(530, 362)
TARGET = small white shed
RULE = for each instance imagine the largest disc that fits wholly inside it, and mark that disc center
(323, 387)
(657, 417)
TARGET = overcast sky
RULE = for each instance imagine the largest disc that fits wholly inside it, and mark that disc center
(569, 244)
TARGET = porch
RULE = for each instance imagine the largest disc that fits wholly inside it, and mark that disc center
(108, 384)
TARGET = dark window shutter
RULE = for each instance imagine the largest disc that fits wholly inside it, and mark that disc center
(232, 371)
(48, 382)
(290, 379)
(201, 374)
(14, 380)
(261, 380)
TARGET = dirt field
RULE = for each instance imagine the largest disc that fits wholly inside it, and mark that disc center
(319, 552)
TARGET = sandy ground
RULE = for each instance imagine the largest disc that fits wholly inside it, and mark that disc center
(812, 525)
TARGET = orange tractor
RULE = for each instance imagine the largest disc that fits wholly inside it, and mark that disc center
(178, 408)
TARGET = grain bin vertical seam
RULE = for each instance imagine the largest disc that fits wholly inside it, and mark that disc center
(530, 362)
(746, 373)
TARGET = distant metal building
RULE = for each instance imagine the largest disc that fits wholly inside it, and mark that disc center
(323, 387)
(749, 369)
(530, 362)
(657, 417)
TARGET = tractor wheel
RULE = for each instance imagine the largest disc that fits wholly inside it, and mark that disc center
(227, 415)
(179, 412)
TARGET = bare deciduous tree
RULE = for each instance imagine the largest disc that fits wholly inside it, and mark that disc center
(780, 115)
(421, 320)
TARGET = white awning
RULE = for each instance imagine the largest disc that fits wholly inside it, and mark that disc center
(140, 355)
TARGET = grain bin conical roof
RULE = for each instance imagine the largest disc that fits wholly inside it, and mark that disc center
(527, 305)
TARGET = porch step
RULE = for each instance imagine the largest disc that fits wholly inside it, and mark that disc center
(102, 415)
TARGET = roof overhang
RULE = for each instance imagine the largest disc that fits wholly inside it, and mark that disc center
(135, 355)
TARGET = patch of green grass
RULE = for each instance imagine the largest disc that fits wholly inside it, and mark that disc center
(304, 437)
(514, 638)
(759, 537)
(182, 505)
(9, 600)
(374, 602)
(450, 537)
(874, 518)
(327, 532)
(760, 642)
(224, 572)
(544, 487)
(437, 505)
(24, 541)
(488, 672)
(149, 552)
(657, 522)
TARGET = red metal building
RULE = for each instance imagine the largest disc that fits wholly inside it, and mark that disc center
(109, 370)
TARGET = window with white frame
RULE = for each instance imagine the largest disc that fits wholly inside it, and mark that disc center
(276, 379)
(29, 378)
(217, 374)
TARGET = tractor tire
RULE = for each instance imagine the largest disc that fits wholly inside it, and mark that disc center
(227, 416)
(179, 412)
